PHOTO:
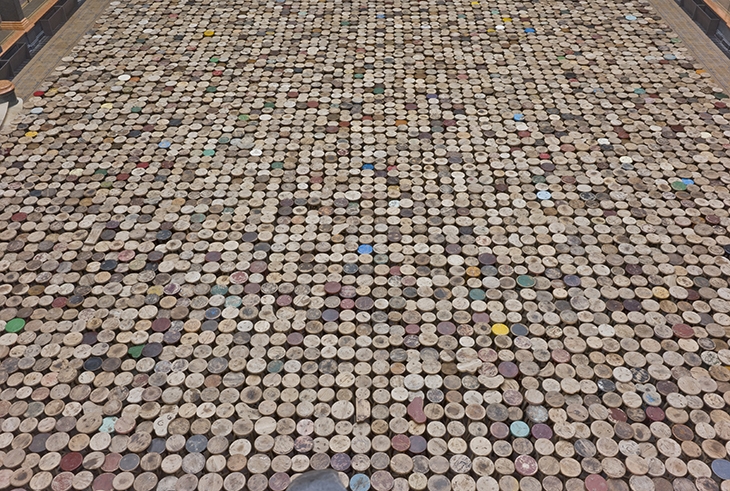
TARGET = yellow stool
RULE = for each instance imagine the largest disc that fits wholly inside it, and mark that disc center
(500, 329)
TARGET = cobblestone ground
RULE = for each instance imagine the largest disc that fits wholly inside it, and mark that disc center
(479, 246)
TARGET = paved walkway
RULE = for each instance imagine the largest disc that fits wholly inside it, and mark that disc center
(59, 46)
(700, 46)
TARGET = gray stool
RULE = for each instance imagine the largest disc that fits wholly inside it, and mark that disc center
(324, 480)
